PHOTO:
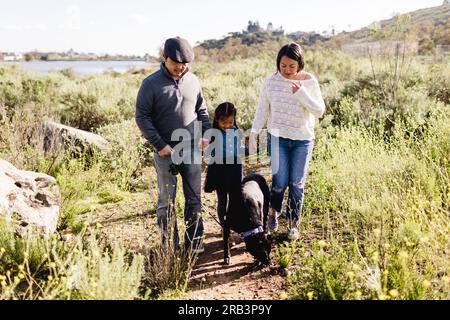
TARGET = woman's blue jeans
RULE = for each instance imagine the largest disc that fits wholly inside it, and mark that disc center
(289, 163)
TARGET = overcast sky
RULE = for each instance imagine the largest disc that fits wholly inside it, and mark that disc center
(141, 26)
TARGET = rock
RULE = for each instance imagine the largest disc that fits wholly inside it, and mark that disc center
(56, 134)
(28, 199)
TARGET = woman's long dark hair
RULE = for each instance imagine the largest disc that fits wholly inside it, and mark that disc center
(224, 109)
(293, 51)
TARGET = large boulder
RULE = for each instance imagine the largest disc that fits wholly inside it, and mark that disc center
(30, 200)
(57, 134)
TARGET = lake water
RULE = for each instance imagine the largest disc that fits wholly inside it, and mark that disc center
(80, 67)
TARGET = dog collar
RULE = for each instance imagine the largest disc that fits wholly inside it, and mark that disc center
(251, 232)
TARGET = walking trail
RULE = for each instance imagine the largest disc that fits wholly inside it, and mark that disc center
(242, 279)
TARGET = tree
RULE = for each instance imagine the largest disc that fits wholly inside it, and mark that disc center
(426, 46)
(28, 57)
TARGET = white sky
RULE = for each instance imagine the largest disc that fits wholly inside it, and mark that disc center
(141, 26)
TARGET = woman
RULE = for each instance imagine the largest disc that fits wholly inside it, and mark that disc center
(289, 101)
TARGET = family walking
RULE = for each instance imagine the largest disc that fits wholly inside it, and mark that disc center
(172, 115)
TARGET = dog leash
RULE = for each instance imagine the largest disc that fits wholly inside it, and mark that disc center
(174, 170)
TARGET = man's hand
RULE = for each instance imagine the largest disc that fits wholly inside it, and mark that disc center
(203, 144)
(252, 146)
(166, 151)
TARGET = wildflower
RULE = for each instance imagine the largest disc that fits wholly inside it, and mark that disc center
(358, 294)
(21, 276)
(356, 267)
(98, 225)
(393, 293)
(322, 243)
(3, 283)
(2, 250)
(403, 254)
(383, 297)
(377, 232)
(310, 295)
(424, 239)
(52, 265)
(93, 208)
(387, 245)
(50, 278)
(350, 274)
(21, 267)
(446, 279)
(426, 283)
(25, 255)
(283, 295)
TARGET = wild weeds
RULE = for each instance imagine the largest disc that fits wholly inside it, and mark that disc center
(48, 268)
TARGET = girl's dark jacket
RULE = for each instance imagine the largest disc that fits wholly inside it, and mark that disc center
(228, 174)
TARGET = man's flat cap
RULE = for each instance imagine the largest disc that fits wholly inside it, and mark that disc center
(179, 50)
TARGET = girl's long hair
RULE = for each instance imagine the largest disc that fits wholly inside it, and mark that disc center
(224, 109)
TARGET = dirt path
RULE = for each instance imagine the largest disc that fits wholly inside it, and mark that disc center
(242, 279)
(129, 224)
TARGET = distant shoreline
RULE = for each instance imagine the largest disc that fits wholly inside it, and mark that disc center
(76, 60)
(82, 67)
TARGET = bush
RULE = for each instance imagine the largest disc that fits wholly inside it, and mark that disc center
(48, 268)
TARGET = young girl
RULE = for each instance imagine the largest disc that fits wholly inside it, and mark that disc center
(225, 169)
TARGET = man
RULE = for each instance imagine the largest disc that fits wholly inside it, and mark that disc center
(169, 101)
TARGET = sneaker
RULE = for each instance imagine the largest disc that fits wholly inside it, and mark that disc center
(272, 222)
(293, 234)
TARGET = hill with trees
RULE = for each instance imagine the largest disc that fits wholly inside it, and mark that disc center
(429, 27)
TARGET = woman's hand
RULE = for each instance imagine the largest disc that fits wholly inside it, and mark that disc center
(295, 87)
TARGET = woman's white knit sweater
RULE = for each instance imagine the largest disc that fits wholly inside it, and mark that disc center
(289, 115)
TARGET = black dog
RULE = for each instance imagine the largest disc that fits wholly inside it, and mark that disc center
(247, 215)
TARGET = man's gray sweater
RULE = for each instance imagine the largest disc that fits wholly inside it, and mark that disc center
(164, 105)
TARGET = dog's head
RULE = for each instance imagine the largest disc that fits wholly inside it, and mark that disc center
(259, 246)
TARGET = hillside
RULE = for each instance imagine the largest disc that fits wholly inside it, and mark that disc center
(436, 15)
(429, 25)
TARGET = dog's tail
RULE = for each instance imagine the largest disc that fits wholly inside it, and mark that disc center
(261, 181)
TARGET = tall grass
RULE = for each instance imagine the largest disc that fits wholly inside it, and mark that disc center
(376, 216)
(48, 268)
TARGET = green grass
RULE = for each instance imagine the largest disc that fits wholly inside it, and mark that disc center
(375, 223)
